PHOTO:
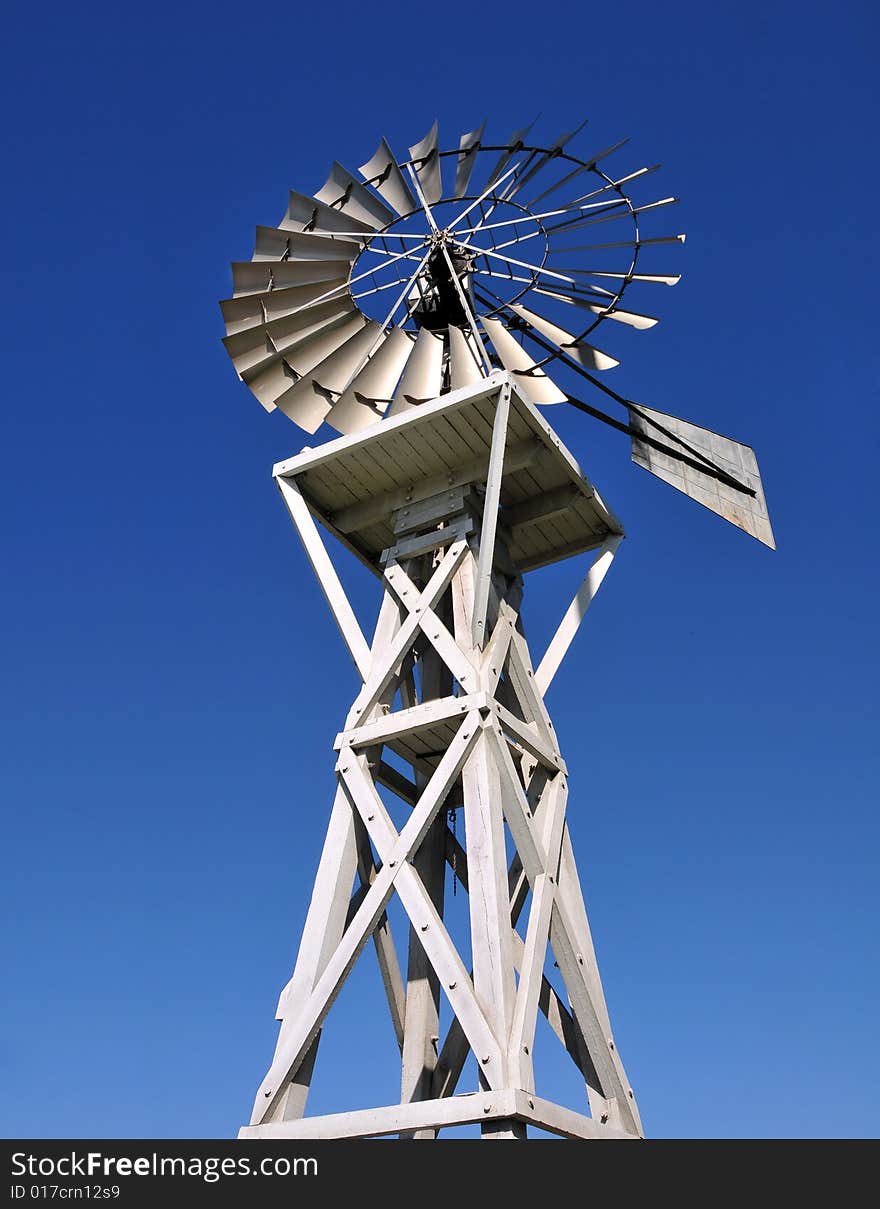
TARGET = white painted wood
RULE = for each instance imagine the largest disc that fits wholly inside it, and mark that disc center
(379, 677)
(486, 559)
(498, 758)
(556, 1119)
(574, 615)
(525, 1016)
(325, 573)
(444, 958)
(374, 1122)
(367, 512)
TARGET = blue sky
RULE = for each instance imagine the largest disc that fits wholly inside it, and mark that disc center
(171, 683)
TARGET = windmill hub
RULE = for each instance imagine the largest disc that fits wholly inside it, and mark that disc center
(443, 296)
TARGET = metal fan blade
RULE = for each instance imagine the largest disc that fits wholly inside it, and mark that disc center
(630, 318)
(585, 167)
(346, 194)
(260, 276)
(514, 144)
(530, 380)
(466, 159)
(254, 310)
(543, 159)
(423, 377)
(392, 185)
(585, 354)
(738, 461)
(274, 244)
(464, 361)
(306, 212)
(653, 278)
(428, 171)
(308, 402)
(257, 347)
(269, 382)
(368, 395)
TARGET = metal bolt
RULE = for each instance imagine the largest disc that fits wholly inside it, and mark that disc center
(487, 1108)
(604, 1118)
(485, 1060)
(391, 864)
(525, 1049)
(370, 818)
(424, 927)
(531, 1103)
(452, 986)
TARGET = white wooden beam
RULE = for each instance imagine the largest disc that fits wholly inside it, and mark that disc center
(325, 573)
(490, 516)
(574, 615)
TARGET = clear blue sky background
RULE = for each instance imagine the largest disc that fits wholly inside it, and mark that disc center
(171, 683)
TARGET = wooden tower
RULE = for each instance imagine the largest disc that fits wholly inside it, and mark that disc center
(450, 504)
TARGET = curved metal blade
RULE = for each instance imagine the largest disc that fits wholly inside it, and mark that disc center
(423, 377)
(542, 160)
(261, 276)
(428, 171)
(653, 278)
(273, 243)
(630, 318)
(466, 159)
(308, 402)
(271, 381)
(531, 381)
(368, 395)
(514, 144)
(585, 354)
(346, 194)
(392, 186)
(464, 361)
(747, 512)
(256, 347)
(254, 310)
(585, 167)
(307, 212)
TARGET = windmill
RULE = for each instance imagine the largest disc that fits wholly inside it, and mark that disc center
(428, 309)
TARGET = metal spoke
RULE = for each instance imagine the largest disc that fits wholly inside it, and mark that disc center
(522, 264)
(482, 197)
(452, 273)
(567, 209)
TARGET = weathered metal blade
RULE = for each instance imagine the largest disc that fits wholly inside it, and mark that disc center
(307, 212)
(466, 159)
(428, 171)
(346, 194)
(542, 159)
(392, 186)
(272, 380)
(308, 402)
(423, 377)
(465, 367)
(652, 278)
(630, 318)
(738, 461)
(254, 310)
(368, 395)
(585, 354)
(585, 167)
(257, 347)
(530, 380)
(260, 276)
(272, 243)
(514, 144)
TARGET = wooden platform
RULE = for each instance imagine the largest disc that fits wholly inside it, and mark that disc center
(550, 509)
